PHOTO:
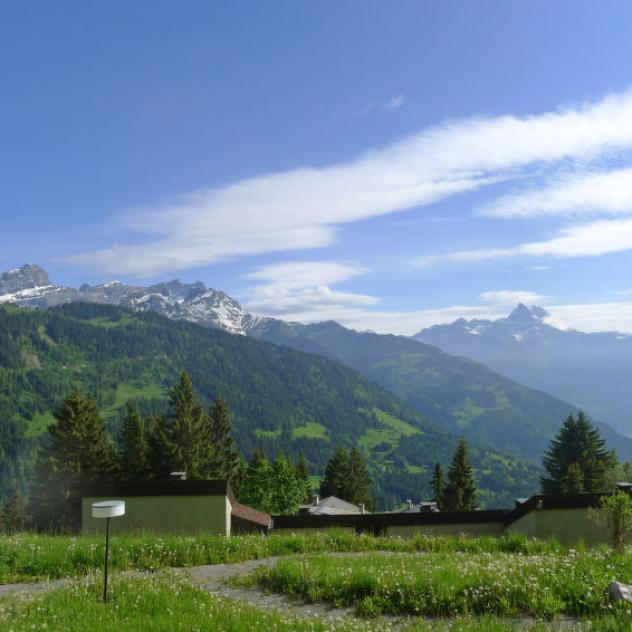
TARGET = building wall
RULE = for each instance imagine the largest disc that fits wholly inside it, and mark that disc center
(163, 514)
(485, 528)
(568, 526)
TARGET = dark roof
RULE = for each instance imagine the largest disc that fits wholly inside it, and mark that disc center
(390, 519)
(158, 488)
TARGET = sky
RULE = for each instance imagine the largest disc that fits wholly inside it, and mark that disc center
(386, 165)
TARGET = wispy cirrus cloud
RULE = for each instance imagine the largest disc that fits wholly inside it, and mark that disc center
(395, 102)
(303, 208)
(300, 290)
(579, 193)
(582, 240)
(512, 297)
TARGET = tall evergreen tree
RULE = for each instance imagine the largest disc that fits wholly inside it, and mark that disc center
(14, 515)
(185, 432)
(577, 459)
(133, 453)
(225, 458)
(337, 472)
(256, 487)
(302, 473)
(347, 477)
(358, 489)
(78, 450)
(460, 493)
(437, 484)
(288, 491)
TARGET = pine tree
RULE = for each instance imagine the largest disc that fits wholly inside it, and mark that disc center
(337, 472)
(133, 454)
(256, 488)
(358, 489)
(185, 433)
(288, 490)
(14, 515)
(576, 459)
(460, 492)
(78, 450)
(302, 473)
(437, 484)
(573, 480)
(225, 458)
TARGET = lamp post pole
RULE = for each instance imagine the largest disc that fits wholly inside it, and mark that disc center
(107, 509)
(107, 559)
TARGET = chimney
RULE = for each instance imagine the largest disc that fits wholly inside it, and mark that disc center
(315, 500)
(409, 502)
(362, 508)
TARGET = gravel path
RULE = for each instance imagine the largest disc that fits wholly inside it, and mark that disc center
(214, 578)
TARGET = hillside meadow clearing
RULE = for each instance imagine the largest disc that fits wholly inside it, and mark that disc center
(421, 583)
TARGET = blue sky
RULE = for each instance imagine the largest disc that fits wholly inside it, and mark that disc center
(388, 165)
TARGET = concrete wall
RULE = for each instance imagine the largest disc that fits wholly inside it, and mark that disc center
(568, 526)
(163, 514)
(485, 528)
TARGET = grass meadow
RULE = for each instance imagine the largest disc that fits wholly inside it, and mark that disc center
(421, 583)
(28, 557)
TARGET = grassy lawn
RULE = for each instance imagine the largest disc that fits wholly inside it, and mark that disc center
(456, 583)
(168, 601)
(26, 557)
(543, 585)
(160, 603)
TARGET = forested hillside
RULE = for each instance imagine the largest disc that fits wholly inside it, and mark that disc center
(282, 400)
(460, 394)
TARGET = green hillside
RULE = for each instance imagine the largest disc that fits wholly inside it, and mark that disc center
(463, 396)
(282, 400)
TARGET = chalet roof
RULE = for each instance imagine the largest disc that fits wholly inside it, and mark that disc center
(249, 514)
(329, 506)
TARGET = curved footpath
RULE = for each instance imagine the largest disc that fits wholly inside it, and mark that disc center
(215, 578)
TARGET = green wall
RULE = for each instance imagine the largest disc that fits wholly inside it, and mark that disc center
(568, 526)
(163, 514)
(484, 528)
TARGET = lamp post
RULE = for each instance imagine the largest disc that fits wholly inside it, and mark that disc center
(107, 509)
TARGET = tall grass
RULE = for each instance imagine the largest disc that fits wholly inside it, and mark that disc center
(26, 557)
(456, 583)
(167, 601)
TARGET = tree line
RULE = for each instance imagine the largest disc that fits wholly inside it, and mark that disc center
(184, 438)
(187, 438)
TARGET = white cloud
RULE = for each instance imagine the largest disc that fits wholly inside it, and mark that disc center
(301, 208)
(299, 291)
(583, 240)
(302, 287)
(395, 102)
(592, 317)
(512, 297)
(300, 274)
(575, 194)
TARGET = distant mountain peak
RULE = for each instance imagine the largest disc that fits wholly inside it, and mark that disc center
(527, 315)
(29, 286)
(25, 277)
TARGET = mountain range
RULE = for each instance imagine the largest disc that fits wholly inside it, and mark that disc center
(592, 370)
(463, 396)
(282, 400)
